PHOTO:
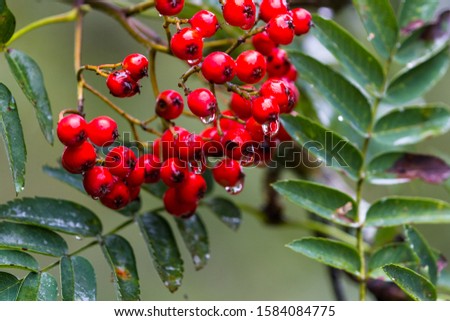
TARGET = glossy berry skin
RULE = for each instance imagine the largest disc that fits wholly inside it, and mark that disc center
(98, 181)
(118, 197)
(269, 9)
(218, 67)
(202, 102)
(71, 130)
(212, 145)
(265, 109)
(228, 172)
(281, 29)
(136, 65)
(292, 73)
(151, 165)
(262, 43)
(240, 106)
(174, 172)
(169, 7)
(192, 189)
(237, 143)
(205, 22)
(170, 141)
(280, 91)
(187, 44)
(175, 207)
(250, 66)
(190, 147)
(121, 84)
(278, 63)
(134, 192)
(240, 13)
(120, 161)
(78, 159)
(136, 177)
(169, 104)
(302, 20)
(254, 129)
(102, 131)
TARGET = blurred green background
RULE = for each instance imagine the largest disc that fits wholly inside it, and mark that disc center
(250, 264)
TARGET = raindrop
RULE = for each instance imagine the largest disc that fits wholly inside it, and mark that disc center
(208, 119)
(236, 189)
(78, 238)
(340, 118)
(371, 36)
(196, 166)
(409, 65)
(270, 128)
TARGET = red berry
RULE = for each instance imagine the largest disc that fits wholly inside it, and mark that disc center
(278, 63)
(175, 207)
(280, 91)
(281, 29)
(102, 131)
(202, 103)
(174, 172)
(292, 74)
(169, 7)
(121, 84)
(136, 177)
(269, 9)
(169, 141)
(226, 123)
(283, 135)
(136, 65)
(72, 130)
(118, 197)
(190, 147)
(251, 66)
(205, 22)
(212, 145)
(187, 44)
(240, 13)
(237, 143)
(255, 129)
(228, 173)
(240, 106)
(134, 192)
(265, 109)
(98, 181)
(192, 189)
(120, 161)
(218, 67)
(262, 43)
(78, 159)
(169, 104)
(151, 165)
(302, 20)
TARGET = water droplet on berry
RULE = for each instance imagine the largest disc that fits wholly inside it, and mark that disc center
(340, 118)
(236, 189)
(208, 119)
(196, 166)
(270, 128)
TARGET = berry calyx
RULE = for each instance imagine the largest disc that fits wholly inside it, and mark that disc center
(118, 197)
(136, 65)
(205, 22)
(250, 66)
(120, 161)
(169, 7)
(78, 159)
(281, 29)
(202, 103)
(218, 67)
(102, 131)
(98, 181)
(121, 84)
(169, 104)
(302, 20)
(71, 130)
(187, 44)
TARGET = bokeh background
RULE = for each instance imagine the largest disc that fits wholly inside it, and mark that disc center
(249, 264)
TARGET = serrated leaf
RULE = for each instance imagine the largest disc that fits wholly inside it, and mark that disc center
(76, 181)
(12, 134)
(7, 23)
(59, 215)
(78, 282)
(423, 251)
(340, 93)
(120, 257)
(163, 249)
(360, 64)
(401, 167)
(412, 283)
(391, 254)
(328, 146)
(393, 211)
(416, 12)
(413, 82)
(411, 125)
(195, 237)
(324, 201)
(29, 77)
(17, 259)
(333, 253)
(226, 211)
(38, 287)
(31, 238)
(379, 20)
(9, 287)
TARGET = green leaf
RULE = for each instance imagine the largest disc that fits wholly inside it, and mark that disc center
(29, 77)
(413, 83)
(156, 189)
(132, 208)
(390, 254)
(163, 249)
(324, 201)
(17, 259)
(329, 147)
(333, 253)
(423, 251)
(379, 20)
(9, 286)
(38, 287)
(120, 257)
(31, 238)
(416, 11)
(195, 237)
(360, 64)
(412, 283)
(59, 215)
(76, 181)
(12, 134)
(78, 281)
(411, 125)
(406, 210)
(7, 23)
(340, 93)
(226, 211)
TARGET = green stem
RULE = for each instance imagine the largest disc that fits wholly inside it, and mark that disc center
(140, 7)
